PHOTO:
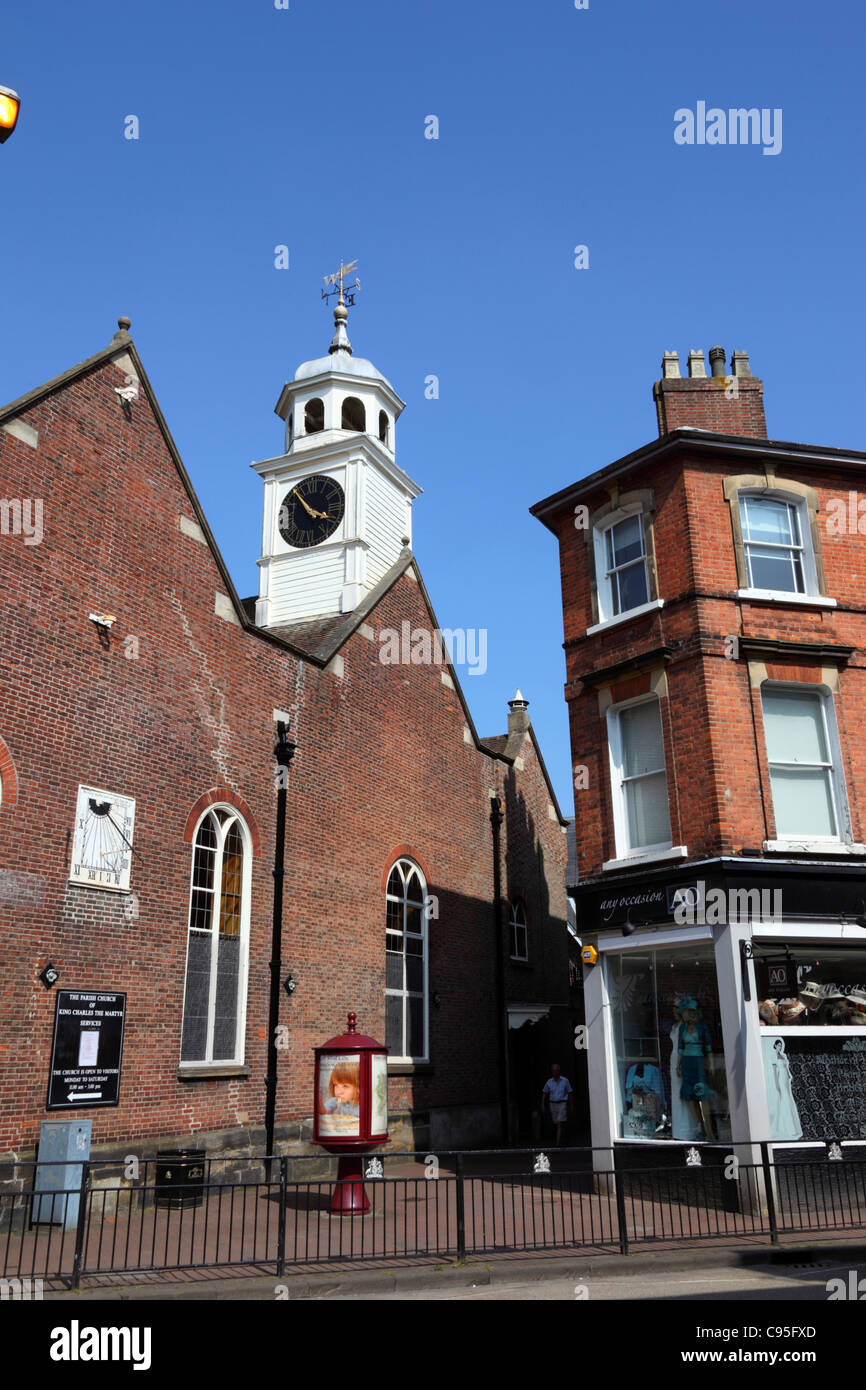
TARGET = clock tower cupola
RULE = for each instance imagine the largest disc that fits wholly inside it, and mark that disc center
(337, 507)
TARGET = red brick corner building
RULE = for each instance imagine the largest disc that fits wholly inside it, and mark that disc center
(139, 711)
(714, 603)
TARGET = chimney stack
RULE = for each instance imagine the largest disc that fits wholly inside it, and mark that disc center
(518, 717)
(719, 403)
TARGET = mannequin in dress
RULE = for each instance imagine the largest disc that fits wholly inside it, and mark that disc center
(681, 1122)
(694, 1048)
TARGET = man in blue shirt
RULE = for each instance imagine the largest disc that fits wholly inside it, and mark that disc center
(557, 1091)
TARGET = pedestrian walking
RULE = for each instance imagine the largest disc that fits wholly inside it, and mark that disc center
(557, 1094)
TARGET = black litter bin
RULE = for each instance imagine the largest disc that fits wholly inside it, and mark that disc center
(180, 1175)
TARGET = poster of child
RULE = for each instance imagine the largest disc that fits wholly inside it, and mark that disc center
(340, 1096)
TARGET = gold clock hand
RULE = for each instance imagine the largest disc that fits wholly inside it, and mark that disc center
(309, 510)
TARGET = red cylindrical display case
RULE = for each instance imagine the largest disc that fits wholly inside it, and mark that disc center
(350, 1109)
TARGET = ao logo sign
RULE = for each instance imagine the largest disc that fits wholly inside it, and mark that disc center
(778, 975)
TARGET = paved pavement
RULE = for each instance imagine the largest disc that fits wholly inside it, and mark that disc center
(744, 1285)
(414, 1219)
(798, 1272)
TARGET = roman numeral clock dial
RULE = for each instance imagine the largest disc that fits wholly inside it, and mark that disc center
(311, 511)
(102, 842)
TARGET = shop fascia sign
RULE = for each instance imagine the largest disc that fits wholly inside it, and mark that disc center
(670, 898)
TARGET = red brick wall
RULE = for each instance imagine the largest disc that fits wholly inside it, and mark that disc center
(381, 762)
(718, 782)
(708, 403)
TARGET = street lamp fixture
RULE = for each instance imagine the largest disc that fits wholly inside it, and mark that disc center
(10, 105)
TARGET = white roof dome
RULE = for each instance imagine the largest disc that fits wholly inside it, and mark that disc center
(342, 362)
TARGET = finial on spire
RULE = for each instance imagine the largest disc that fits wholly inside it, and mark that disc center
(340, 341)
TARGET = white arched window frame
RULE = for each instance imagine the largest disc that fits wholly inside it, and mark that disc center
(353, 415)
(406, 964)
(314, 415)
(777, 543)
(218, 929)
(519, 931)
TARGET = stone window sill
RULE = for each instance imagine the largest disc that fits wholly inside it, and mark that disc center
(207, 1072)
(775, 596)
(624, 617)
(813, 847)
(677, 852)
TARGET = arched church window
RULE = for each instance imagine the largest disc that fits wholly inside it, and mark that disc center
(406, 963)
(218, 940)
(354, 415)
(383, 426)
(519, 934)
(314, 416)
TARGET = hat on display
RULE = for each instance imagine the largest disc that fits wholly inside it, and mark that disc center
(791, 1010)
(857, 997)
(812, 993)
(768, 1012)
(687, 1003)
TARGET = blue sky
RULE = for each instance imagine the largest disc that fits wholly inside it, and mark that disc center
(305, 127)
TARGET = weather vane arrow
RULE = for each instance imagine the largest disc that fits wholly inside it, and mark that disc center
(346, 295)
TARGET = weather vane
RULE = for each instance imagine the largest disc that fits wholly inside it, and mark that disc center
(346, 296)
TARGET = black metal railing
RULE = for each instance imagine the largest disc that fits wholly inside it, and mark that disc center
(273, 1214)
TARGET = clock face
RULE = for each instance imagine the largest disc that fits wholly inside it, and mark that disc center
(311, 511)
(102, 843)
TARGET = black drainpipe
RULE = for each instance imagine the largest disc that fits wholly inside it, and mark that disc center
(283, 752)
(496, 819)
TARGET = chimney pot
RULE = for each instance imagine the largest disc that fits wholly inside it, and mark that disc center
(697, 363)
(518, 717)
(717, 361)
(740, 363)
(671, 364)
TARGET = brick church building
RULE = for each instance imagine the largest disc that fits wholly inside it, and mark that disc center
(714, 602)
(141, 699)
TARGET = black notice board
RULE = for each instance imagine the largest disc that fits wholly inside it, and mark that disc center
(88, 1049)
(828, 1081)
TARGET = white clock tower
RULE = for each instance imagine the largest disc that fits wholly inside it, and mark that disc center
(337, 508)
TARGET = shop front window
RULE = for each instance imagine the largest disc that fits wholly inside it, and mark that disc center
(812, 1011)
(670, 1065)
